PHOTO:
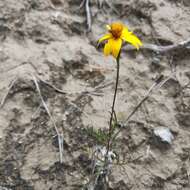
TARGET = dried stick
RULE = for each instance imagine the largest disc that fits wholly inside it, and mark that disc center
(36, 112)
(164, 49)
(111, 7)
(158, 83)
(92, 92)
(7, 93)
(101, 86)
(100, 3)
(142, 101)
(82, 4)
(88, 15)
(52, 86)
(60, 136)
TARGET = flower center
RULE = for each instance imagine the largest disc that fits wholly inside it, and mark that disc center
(116, 29)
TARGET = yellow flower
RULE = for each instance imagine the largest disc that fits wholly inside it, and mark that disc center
(118, 33)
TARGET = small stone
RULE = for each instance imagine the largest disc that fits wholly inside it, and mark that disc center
(164, 134)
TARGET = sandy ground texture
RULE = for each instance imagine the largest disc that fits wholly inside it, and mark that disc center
(46, 41)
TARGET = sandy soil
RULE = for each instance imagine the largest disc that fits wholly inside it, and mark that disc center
(48, 38)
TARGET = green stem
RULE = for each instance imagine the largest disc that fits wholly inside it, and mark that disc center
(108, 147)
(113, 107)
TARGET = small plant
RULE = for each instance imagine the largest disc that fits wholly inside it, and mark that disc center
(117, 33)
(100, 136)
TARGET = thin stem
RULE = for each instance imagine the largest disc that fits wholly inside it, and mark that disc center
(7, 93)
(113, 107)
(108, 147)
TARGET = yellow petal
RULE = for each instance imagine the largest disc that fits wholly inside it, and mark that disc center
(125, 29)
(107, 48)
(131, 38)
(105, 37)
(115, 46)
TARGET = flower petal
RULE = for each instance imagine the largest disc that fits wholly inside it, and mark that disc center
(105, 37)
(115, 46)
(107, 48)
(131, 38)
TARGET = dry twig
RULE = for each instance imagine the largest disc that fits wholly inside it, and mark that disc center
(111, 7)
(7, 93)
(86, 5)
(164, 49)
(82, 4)
(51, 85)
(59, 135)
(158, 83)
(92, 92)
(88, 15)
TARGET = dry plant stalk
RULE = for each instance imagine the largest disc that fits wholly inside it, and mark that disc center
(164, 49)
(7, 93)
(157, 84)
(86, 4)
(88, 15)
(59, 135)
